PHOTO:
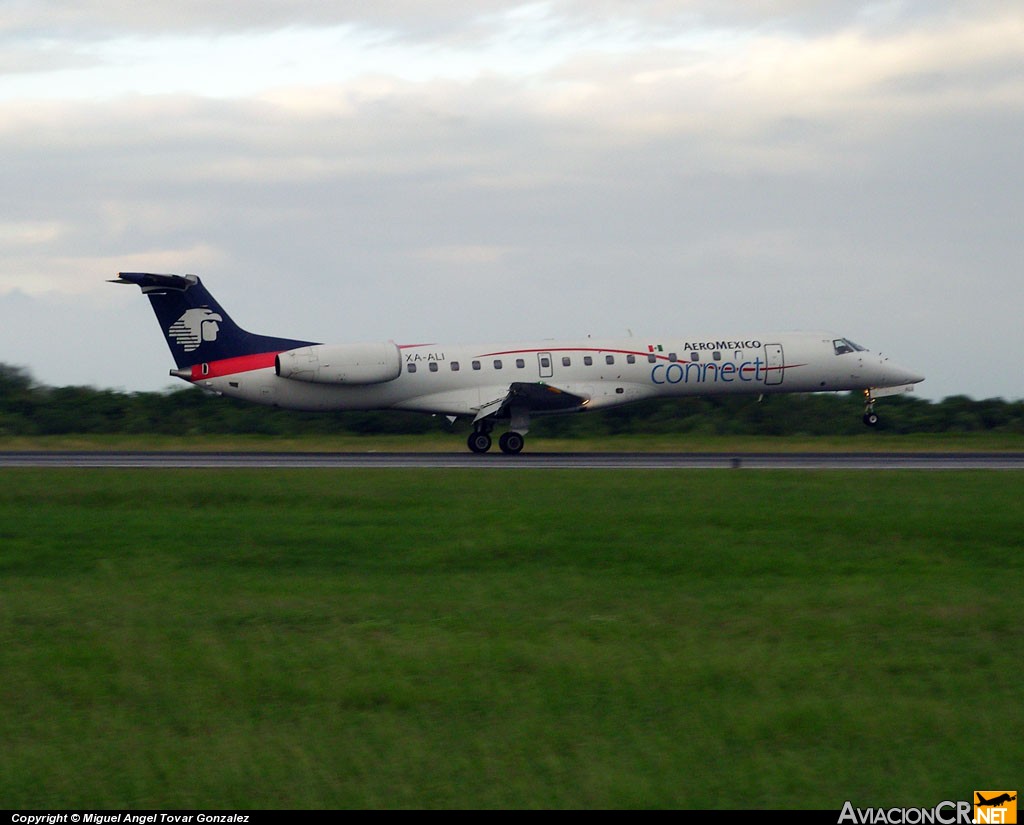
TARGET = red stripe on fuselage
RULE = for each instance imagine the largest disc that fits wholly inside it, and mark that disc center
(230, 366)
(566, 349)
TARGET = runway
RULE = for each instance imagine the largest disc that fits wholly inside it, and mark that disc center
(524, 461)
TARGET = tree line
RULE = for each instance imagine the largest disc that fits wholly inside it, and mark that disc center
(29, 409)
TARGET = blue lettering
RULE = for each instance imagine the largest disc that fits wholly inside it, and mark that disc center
(697, 372)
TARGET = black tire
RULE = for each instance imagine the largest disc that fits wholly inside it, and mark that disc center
(511, 443)
(871, 419)
(479, 442)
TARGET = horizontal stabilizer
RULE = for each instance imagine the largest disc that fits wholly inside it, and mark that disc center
(151, 282)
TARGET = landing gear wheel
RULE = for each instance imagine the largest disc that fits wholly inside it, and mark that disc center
(870, 416)
(511, 443)
(479, 442)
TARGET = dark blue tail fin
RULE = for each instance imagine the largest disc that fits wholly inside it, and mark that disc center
(197, 328)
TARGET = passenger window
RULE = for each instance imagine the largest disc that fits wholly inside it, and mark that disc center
(566, 361)
(433, 366)
(411, 367)
(588, 360)
(652, 358)
(694, 356)
(672, 357)
(545, 362)
(520, 363)
(455, 366)
(476, 365)
(630, 359)
(609, 359)
(716, 355)
(497, 363)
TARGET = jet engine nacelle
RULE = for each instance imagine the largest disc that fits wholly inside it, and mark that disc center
(341, 363)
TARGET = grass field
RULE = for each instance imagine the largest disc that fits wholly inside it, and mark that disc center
(180, 639)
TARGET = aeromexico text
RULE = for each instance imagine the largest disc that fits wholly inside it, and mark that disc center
(704, 345)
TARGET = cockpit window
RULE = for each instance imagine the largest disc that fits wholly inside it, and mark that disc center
(845, 345)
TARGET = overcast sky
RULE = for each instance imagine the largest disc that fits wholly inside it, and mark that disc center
(471, 171)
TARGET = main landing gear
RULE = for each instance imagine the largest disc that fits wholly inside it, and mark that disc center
(480, 441)
(511, 443)
(870, 416)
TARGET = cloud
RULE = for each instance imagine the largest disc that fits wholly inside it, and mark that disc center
(479, 171)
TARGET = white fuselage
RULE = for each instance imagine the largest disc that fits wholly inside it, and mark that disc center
(461, 380)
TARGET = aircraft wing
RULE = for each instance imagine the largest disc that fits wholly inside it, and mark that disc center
(524, 398)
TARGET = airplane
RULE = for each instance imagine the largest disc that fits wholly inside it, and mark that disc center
(499, 383)
(997, 801)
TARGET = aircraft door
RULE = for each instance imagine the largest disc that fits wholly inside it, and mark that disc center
(775, 365)
(546, 364)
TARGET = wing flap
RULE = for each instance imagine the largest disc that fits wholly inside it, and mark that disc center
(530, 398)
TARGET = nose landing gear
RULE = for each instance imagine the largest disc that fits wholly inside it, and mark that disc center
(870, 416)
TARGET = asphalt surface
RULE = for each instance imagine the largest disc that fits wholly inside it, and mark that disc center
(526, 460)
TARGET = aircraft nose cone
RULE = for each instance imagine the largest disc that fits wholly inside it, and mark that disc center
(901, 375)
